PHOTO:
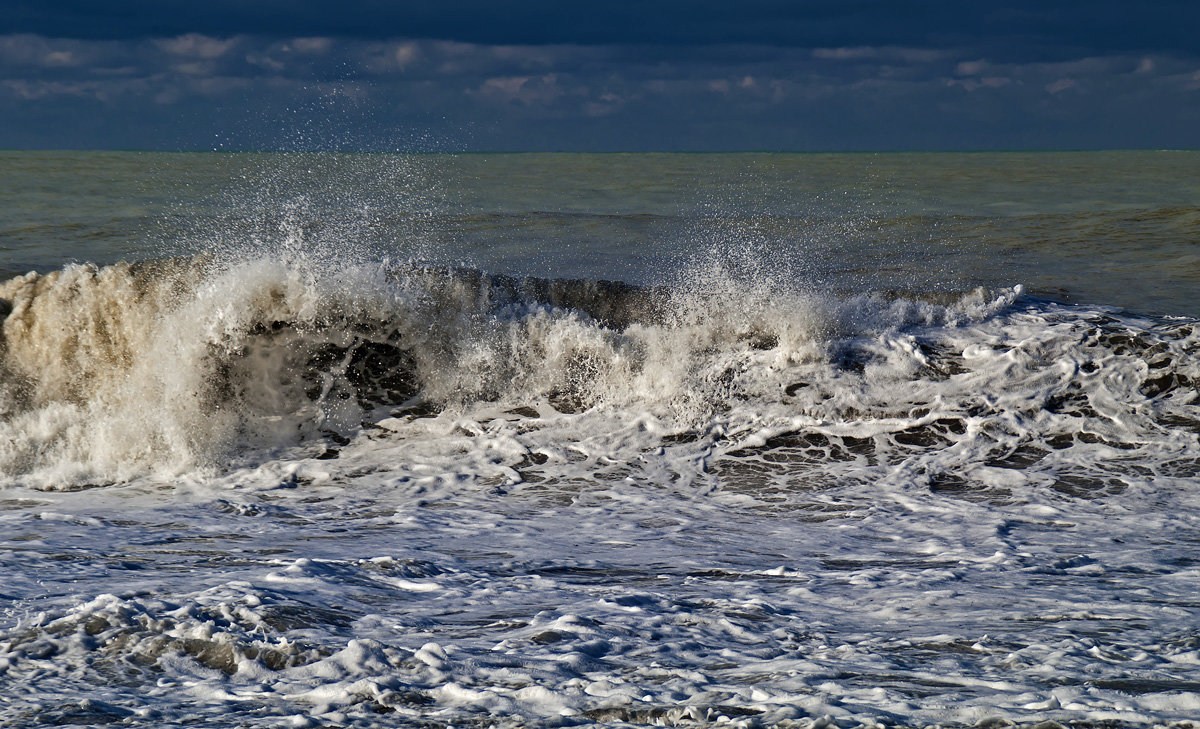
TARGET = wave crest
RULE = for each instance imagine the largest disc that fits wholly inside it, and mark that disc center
(169, 366)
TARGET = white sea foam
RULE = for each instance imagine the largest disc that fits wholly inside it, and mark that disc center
(386, 494)
(130, 370)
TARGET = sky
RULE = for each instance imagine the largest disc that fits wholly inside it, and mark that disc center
(470, 75)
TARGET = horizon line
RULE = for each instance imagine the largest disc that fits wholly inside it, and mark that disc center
(965, 150)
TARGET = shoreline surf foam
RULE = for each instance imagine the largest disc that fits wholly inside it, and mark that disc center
(157, 368)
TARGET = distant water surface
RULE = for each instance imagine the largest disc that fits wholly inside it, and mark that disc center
(1112, 228)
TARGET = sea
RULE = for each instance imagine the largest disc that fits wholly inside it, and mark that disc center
(340, 439)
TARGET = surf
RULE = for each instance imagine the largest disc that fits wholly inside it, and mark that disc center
(182, 365)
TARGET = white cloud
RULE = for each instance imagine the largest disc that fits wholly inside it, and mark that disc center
(508, 88)
(30, 90)
(985, 82)
(405, 53)
(879, 54)
(59, 58)
(193, 68)
(855, 53)
(196, 45)
(969, 68)
(527, 90)
(606, 104)
(32, 50)
(1062, 84)
(313, 46)
(265, 61)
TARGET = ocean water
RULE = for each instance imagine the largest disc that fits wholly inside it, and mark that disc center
(570, 440)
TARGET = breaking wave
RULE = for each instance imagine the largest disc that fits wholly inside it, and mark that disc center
(169, 366)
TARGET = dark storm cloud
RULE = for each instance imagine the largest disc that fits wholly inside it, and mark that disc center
(195, 90)
(669, 75)
(1029, 29)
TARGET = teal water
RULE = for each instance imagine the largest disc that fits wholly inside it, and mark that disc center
(1110, 228)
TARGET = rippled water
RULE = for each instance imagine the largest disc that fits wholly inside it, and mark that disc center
(1108, 228)
(530, 440)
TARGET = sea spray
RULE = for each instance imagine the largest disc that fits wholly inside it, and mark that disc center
(158, 368)
(168, 367)
(161, 367)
